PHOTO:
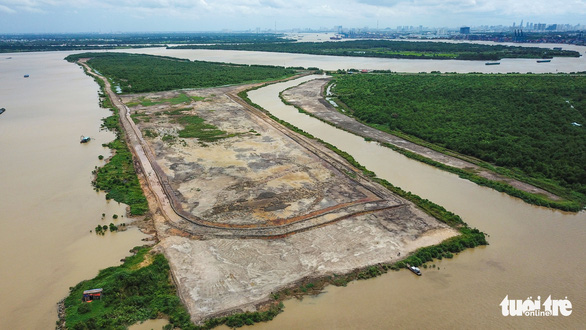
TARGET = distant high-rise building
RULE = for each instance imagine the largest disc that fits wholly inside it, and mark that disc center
(465, 30)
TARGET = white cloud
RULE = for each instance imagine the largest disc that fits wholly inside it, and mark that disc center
(299, 13)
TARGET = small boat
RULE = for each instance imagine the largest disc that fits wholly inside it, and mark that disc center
(84, 139)
(2, 110)
(543, 61)
(414, 269)
(26, 75)
(492, 63)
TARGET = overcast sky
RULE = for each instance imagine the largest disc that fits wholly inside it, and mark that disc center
(47, 16)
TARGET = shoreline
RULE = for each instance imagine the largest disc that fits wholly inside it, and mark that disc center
(163, 221)
(306, 100)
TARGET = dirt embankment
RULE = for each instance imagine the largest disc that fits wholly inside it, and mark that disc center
(320, 214)
(309, 96)
(317, 215)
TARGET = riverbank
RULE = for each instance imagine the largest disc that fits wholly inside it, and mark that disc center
(176, 235)
(309, 98)
(49, 207)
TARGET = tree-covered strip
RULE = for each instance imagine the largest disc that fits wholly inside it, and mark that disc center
(528, 124)
(135, 73)
(88, 41)
(398, 49)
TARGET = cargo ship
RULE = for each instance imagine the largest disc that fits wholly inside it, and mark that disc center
(543, 61)
(492, 63)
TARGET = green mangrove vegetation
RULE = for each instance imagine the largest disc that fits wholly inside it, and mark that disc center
(89, 41)
(397, 49)
(135, 73)
(118, 176)
(138, 290)
(527, 127)
(468, 174)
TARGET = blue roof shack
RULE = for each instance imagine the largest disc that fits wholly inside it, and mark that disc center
(91, 295)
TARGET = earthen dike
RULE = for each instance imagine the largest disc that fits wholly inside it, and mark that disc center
(264, 198)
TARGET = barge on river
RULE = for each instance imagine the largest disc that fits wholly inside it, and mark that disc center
(414, 269)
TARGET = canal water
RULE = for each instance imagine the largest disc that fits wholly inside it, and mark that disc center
(533, 252)
(47, 203)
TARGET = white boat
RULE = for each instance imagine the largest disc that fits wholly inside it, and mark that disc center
(414, 269)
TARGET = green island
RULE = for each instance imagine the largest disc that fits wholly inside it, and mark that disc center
(397, 49)
(91, 41)
(523, 126)
(134, 73)
(141, 288)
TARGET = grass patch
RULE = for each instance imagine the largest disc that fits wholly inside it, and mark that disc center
(138, 117)
(195, 127)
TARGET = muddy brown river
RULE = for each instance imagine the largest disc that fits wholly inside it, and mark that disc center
(48, 207)
(47, 204)
(533, 252)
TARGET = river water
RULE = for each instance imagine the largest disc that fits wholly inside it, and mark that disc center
(533, 252)
(47, 203)
(558, 64)
(48, 208)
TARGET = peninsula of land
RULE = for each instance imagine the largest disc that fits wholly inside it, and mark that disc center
(258, 208)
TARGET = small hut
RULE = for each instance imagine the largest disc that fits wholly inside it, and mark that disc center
(91, 295)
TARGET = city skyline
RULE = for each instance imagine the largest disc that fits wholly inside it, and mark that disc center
(68, 16)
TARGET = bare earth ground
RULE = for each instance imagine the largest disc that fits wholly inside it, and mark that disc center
(308, 96)
(262, 178)
(259, 211)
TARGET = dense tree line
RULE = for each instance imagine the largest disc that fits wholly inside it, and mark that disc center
(135, 73)
(397, 49)
(529, 123)
(79, 41)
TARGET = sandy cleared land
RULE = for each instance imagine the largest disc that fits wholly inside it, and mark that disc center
(313, 215)
(309, 96)
(316, 214)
